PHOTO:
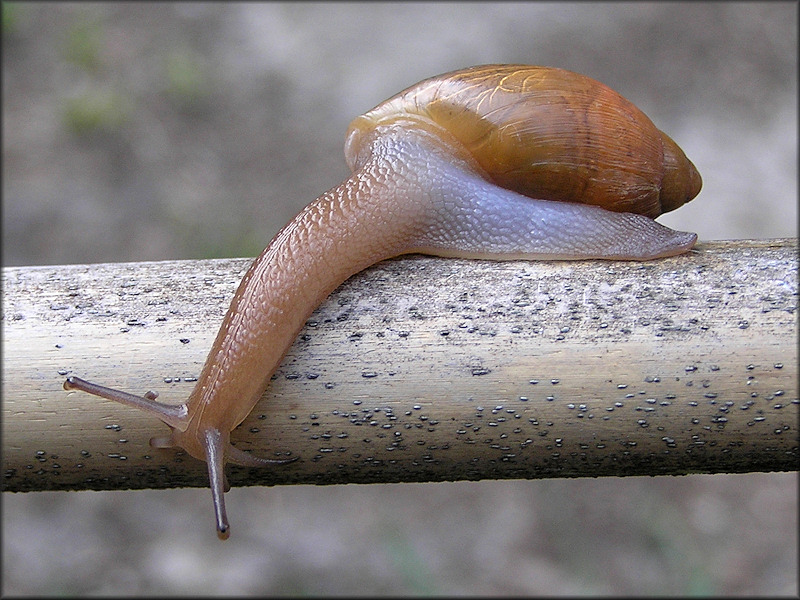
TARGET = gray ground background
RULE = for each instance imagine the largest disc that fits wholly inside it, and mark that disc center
(161, 131)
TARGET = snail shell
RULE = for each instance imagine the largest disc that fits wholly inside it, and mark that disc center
(545, 133)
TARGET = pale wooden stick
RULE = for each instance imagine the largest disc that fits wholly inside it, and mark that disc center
(420, 369)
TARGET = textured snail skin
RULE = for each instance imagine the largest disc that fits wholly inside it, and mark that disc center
(426, 166)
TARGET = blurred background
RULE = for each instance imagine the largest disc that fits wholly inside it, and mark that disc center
(140, 131)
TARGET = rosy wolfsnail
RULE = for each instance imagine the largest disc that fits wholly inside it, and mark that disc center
(496, 161)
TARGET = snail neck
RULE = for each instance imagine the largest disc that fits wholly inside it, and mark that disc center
(367, 218)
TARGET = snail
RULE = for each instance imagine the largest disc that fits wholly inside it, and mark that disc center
(493, 162)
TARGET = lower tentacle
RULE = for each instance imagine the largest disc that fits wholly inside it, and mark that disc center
(244, 459)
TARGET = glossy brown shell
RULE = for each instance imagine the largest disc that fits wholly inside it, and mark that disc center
(547, 133)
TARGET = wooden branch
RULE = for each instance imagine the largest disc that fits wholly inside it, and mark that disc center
(421, 369)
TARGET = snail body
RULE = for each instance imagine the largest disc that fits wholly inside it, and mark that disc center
(497, 162)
